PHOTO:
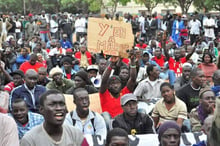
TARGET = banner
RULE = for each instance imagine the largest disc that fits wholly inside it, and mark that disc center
(110, 36)
(187, 139)
(95, 104)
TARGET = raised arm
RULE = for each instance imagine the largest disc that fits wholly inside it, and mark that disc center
(106, 74)
(190, 54)
(133, 73)
(166, 53)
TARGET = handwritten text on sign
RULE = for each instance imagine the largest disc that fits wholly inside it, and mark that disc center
(112, 37)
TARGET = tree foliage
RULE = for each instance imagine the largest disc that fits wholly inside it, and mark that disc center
(149, 4)
(183, 4)
(52, 6)
(207, 5)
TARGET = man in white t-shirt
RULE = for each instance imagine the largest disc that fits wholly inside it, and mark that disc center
(18, 28)
(54, 27)
(195, 26)
(80, 27)
(209, 25)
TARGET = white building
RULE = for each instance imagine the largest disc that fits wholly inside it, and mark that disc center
(134, 8)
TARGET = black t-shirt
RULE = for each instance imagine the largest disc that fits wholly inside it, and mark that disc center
(189, 96)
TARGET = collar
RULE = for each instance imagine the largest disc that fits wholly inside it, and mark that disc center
(89, 116)
(175, 101)
(25, 86)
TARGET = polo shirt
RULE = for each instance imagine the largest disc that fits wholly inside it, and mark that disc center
(111, 104)
(178, 110)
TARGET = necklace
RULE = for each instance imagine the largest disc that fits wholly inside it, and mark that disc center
(195, 88)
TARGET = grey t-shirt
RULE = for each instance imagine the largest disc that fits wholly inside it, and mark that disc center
(39, 137)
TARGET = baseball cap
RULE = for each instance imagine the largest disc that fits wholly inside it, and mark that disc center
(128, 97)
(92, 67)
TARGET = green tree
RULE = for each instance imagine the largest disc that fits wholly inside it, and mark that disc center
(207, 5)
(11, 5)
(183, 4)
(111, 5)
(149, 4)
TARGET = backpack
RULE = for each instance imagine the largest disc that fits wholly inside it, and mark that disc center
(92, 120)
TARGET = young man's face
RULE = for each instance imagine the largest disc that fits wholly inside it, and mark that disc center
(67, 66)
(17, 79)
(54, 109)
(119, 141)
(20, 112)
(115, 86)
(199, 79)
(58, 78)
(31, 80)
(130, 108)
(124, 74)
(170, 137)
(82, 101)
(42, 75)
(79, 82)
(155, 73)
(92, 73)
(208, 101)
(186, 72)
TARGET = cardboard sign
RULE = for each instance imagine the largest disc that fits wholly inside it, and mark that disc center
(186, 139)
(94, 102)
(110, 36)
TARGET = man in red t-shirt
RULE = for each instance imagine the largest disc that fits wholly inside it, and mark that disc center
(176, 64)
(31, 64)
(110, 90)
(159, 58)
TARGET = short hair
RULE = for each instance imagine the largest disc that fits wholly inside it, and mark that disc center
(47, 93)
(166, 84)
(43, 69)
(78, 90)
(194, 72)
(211, 57)
(17, 100)
(115, 132)
(150, 68)
(124, 67)
(33, 56)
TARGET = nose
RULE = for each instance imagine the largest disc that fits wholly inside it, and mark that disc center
(172, 139)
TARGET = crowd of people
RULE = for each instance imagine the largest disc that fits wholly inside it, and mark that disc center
(173, 65)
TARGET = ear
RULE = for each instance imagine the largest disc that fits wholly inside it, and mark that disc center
(41, 110)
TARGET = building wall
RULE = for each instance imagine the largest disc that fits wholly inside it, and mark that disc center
(134, 8)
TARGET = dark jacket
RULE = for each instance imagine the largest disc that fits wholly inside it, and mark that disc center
(143, 124)
(22, 92)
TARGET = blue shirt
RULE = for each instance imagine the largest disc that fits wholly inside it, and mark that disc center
(34, 119)
(65, 44)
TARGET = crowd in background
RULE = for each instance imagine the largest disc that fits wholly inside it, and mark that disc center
(174, 66)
